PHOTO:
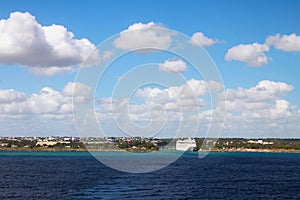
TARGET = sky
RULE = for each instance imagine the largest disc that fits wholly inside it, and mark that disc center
(47, 46)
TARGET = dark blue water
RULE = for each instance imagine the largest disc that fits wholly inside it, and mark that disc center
(78, 175)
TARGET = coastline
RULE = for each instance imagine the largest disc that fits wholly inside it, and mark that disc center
(258, 150)
(40, 149)
(122, 150)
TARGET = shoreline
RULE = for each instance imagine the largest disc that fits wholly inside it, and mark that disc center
(121, 150)
(257, 150)
(41, 149)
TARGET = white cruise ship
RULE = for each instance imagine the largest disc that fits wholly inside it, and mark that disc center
(185, 144)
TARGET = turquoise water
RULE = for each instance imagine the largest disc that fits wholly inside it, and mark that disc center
(122, 154)
(44, 153)
(78, 175)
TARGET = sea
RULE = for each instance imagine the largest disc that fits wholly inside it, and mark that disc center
(78, 175)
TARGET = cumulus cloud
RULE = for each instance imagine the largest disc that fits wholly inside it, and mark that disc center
(80, 92)
(48, 49)
(173, 65)
(7, 96)
(255, 111)
(262, 105)
(47, 102)
(189, 96)
(265, 90)
(262, 102)
(200, 39)
(143, 36)
(192, 88)
(156, 107)
(284, 42)
(252, 54)
(281, 109)
(261, 111)
(248, 109)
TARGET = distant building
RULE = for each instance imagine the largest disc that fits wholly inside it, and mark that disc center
(259, 142)
(46, 143)
(264, 143)
(3, 144)
(185, 144)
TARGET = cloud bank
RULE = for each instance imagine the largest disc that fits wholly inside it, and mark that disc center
(258, 111)
(47, 103)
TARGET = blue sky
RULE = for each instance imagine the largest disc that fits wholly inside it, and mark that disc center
(228, 23)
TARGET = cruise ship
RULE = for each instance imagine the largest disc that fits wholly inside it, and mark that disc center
(186, 144)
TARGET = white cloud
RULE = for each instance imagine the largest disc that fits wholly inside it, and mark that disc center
(215, 86)
(252, 54)
(262, 102)
(284, 42)
(157, 107)
(47, 102)
(258, 111)
(265, 90)
(188, 96)
(107, 55)
(50, 71)
(143, 36)
(261, 111)
(191, 89)
(80, 92)
(26, 42)
(173, 65)
(250, 111)
(200, 39)
(281, 109)
(7, 96)
(196, 88)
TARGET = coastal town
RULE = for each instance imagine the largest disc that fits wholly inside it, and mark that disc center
(142, 144)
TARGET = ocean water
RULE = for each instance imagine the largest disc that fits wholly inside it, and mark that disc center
(78, 175)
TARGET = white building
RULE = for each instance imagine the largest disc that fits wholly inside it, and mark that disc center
(46, 143)
(259, 142)
(185, 144)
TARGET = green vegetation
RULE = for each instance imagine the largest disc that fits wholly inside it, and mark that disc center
(137, 145)
(32, 144)
(18, 143)
(269, 143)
(71, 145)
